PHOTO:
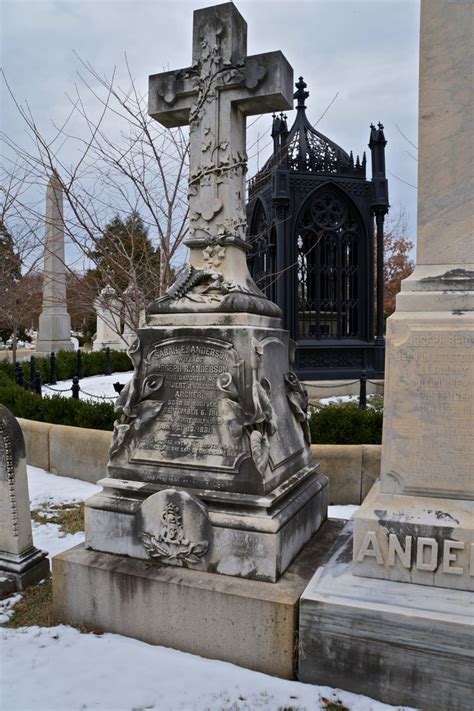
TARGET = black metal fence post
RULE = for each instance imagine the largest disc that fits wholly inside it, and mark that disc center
(32, 372)
(52, 369)
(37, 383)
(80, 372)
(75, 387)
(108, 364)
(19, 377)
(363, 391)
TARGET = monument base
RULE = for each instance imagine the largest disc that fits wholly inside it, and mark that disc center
(415, 539)
(212, 615)
(17, 572)
(253, 537)
(397, 642)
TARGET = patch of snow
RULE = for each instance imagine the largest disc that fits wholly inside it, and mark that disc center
(46, 488)
(49, 537)
(97, 387)
(344, 512)
(6, 606)
(338, 398)
(62, 669)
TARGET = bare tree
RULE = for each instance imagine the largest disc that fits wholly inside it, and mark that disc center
(111, 159)
(397, 261)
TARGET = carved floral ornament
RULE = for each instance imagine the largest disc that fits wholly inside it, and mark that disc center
(258, 422)
(171, 544)
(298, 401)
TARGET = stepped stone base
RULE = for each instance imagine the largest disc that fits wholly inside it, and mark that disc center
(17, 572)
(398, 642)
(250, 623)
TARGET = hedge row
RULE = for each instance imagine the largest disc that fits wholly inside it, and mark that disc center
(56, 410)
(345, 423)
(334, 424)
(66, 365)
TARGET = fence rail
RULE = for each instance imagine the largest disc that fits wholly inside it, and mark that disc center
(35, 383)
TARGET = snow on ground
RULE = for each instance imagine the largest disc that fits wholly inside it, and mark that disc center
(52, 489)
(64, 670)
(97, 387)
(345, 512)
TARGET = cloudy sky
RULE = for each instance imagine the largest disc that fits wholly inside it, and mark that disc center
(365, 51)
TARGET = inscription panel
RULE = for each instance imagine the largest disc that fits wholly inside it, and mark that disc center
(189, 430)
(428, 419)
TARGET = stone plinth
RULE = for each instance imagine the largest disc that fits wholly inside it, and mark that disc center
(21, 564)
(400, 643)
(249, 623)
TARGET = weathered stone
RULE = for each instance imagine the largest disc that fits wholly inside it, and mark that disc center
(394, 637)
(428, 435)
(54, 332)
(108, 327)
(21, 564)
(400, 643)
(213, 406)
(246, 622)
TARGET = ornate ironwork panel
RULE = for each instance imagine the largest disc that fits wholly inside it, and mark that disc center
(329, 233)
(261, 259)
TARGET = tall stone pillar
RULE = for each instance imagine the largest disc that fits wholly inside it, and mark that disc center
(428, 438)
(404, 605)
(54, 332)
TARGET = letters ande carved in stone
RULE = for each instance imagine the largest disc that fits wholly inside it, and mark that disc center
(171, 544)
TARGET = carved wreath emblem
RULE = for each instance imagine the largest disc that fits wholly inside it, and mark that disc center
(171, 544)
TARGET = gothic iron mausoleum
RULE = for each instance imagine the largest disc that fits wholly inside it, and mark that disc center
(314, 249)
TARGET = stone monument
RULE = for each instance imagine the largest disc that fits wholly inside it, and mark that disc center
(413, 538)
(54, 333)
(108, 307)
(210, 466)
(21, 564)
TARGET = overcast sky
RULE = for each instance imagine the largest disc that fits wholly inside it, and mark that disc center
(366, 51)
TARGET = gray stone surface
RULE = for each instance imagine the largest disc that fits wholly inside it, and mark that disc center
(21, 564)
(250, 623)
(213, 408)
(428, 435)
(54, 332)
(402, 644)
(108, 326)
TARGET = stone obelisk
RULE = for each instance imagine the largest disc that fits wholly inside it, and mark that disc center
(54, 332)
(405, 605)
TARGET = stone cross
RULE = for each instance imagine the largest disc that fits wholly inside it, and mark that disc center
(21, 564)
(214, 95)
(54, 333)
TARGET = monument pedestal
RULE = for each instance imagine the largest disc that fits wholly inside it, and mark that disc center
(250, 623)
(18, 572)
(402, 644)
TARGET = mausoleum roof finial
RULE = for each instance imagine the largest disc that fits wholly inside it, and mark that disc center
(300, 94)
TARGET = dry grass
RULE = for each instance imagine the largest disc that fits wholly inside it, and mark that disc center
(34, 608)
(70, 517)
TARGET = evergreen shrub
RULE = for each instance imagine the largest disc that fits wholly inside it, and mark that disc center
(345, 423)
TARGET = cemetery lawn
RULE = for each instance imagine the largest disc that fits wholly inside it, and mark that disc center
(63, 668)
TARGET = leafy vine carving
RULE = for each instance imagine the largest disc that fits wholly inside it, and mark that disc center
(137, 404)
(298, 401)
(258, 422)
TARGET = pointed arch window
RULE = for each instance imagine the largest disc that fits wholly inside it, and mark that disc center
(329, 236)
(261, 259)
